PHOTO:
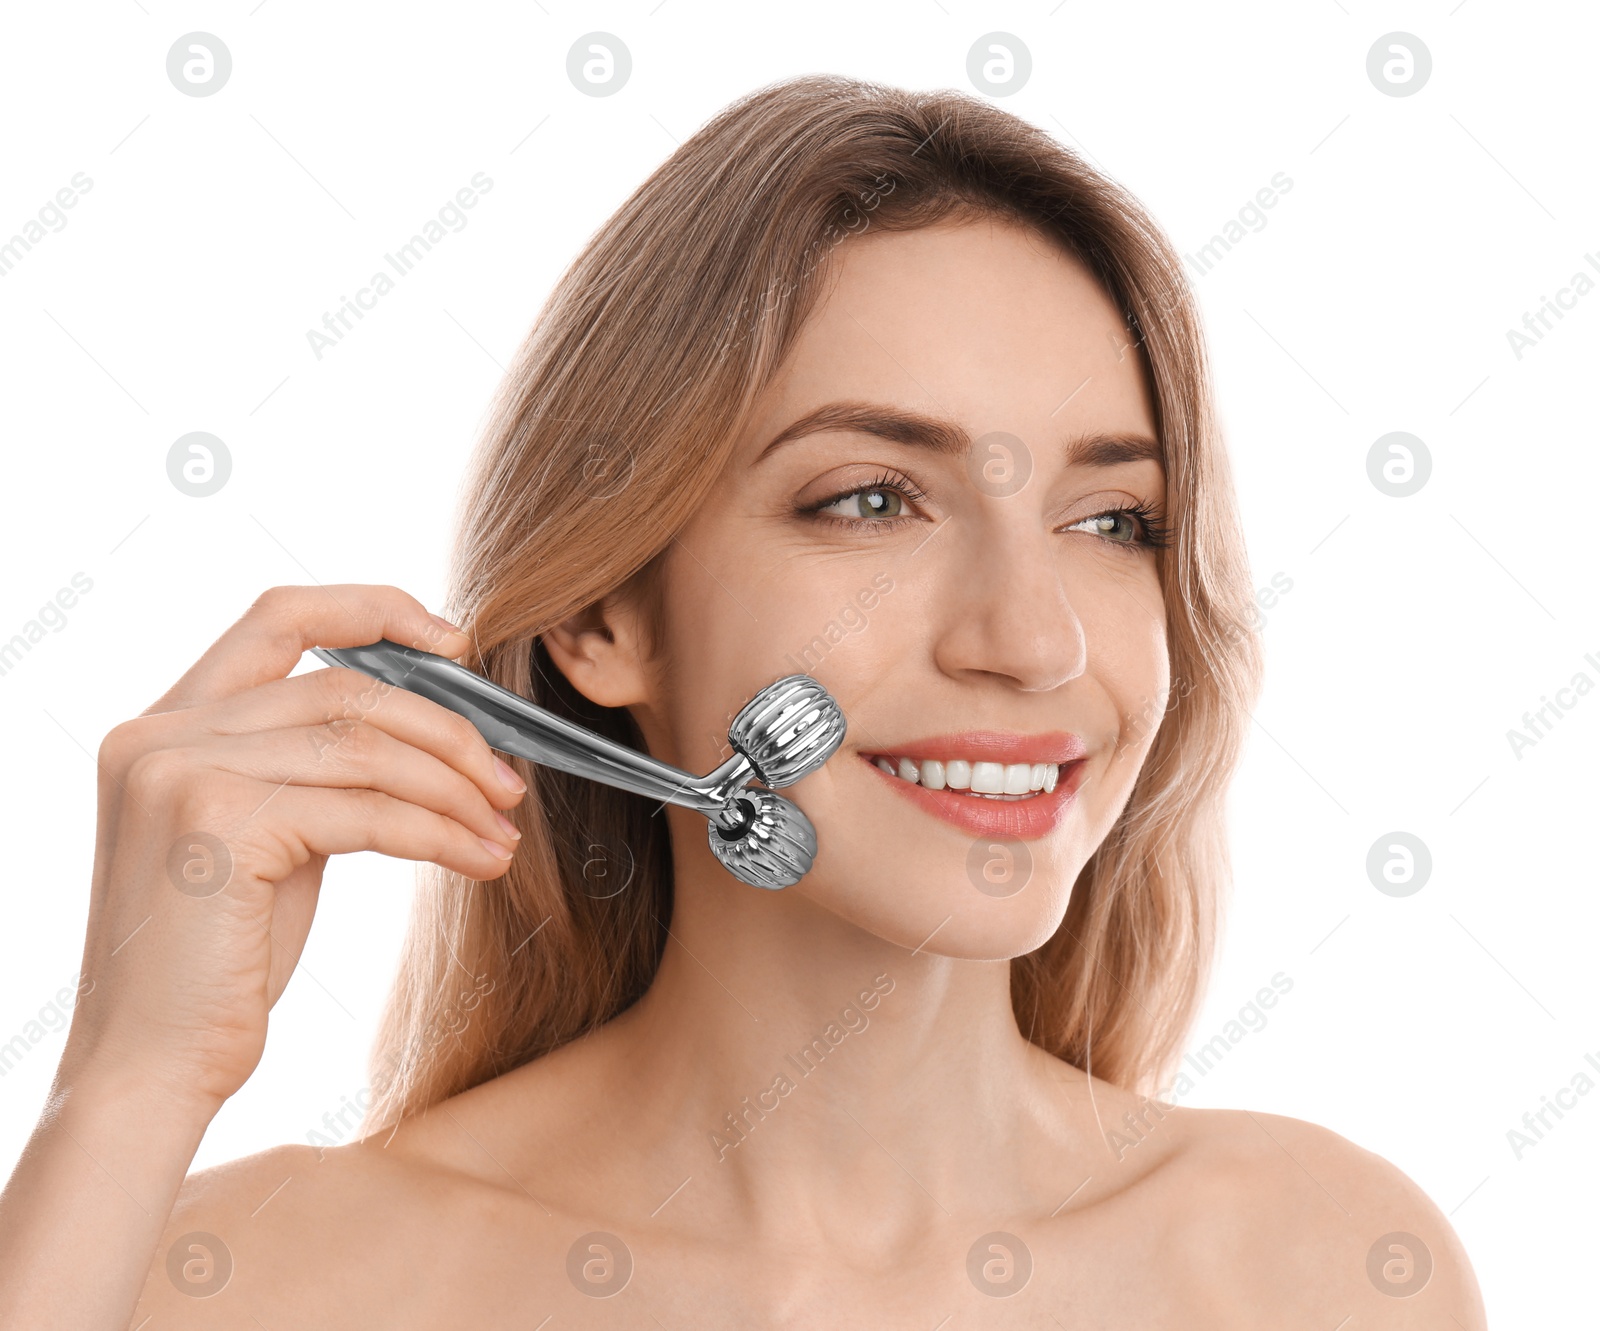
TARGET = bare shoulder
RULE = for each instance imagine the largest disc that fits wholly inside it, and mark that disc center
(1306, 1225)
(246, 1238)
(429, 1223)
(300, 1236)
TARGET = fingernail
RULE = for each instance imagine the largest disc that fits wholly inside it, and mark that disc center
(496, 849)
(508, 778)
(446, 625)
(510, 827)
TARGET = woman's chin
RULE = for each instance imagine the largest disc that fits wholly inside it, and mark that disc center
(944, 915)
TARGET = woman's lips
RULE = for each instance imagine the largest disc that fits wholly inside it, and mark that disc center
(1014, 819)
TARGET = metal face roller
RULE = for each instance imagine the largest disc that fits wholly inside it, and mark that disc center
(787, 731)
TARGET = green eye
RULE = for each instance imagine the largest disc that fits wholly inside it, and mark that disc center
(1106, 524)
(881, 504)
(1143, 524)
(874, 501)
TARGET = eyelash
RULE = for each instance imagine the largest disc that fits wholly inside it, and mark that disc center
(1155, 534)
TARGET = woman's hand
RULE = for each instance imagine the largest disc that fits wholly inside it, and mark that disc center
(218, 808)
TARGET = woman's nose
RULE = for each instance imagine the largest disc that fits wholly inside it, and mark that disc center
(1003, 608)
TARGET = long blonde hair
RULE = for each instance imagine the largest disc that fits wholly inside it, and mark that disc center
(636, 379)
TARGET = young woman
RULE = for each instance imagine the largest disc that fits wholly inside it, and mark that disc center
(883, 386)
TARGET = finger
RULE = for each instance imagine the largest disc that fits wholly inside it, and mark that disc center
(338, 698)
(339, 822)
(268, 640)
(351, 756)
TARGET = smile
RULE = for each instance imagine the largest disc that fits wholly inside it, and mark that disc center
(1024, 803)
(1001, 781)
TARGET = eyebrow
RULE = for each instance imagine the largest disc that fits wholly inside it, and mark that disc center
(946, 437)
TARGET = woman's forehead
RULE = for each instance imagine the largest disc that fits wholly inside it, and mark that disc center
(988, 325)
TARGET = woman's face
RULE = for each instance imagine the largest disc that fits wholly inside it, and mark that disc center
(964, 603)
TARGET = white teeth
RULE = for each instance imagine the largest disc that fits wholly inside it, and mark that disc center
(981, 778)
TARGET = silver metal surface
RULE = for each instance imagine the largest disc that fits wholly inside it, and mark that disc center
(787, 731)
(774, 848)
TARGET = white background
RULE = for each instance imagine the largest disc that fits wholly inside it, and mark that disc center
(1377, 298)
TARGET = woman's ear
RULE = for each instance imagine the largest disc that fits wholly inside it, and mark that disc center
(599, 651)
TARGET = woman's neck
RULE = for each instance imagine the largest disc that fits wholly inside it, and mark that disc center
(807, 1077)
